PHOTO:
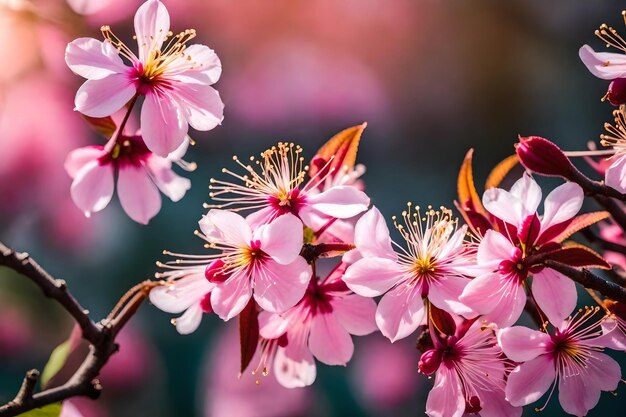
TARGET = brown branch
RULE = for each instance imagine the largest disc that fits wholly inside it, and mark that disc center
(590, 280)
(101, 336)
(312, 252)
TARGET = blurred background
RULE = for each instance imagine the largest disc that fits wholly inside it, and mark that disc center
(431, 77)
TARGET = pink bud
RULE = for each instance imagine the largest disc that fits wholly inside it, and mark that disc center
(543, 157)
(214, 272)
(429, 362)
(472, 405)
(617, 92)
(205, 303)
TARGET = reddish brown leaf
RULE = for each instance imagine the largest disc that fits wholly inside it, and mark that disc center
(500, 172)
(442, 320)
(468, 197)
(105, 125)
(248, 333)
(342, 148)
(478, 223)
(581, 222)
(578, 256)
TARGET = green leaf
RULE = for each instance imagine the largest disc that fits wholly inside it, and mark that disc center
(52, 410)
(55, 363)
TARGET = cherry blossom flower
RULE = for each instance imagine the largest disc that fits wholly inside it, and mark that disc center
(188, 292)
(278, 189)
(265, 261)
(499, 293)
(433, 266)
(615, 174)
(469, 374)
(141, 174)
(174, 78)
(608, 65)
(571, 357)
(319, 326)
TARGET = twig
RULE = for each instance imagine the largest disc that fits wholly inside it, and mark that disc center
(603, 243)
(588, 279)
(101, 336)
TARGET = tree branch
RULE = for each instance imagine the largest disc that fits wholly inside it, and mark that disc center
(588, 279)
(101, 336)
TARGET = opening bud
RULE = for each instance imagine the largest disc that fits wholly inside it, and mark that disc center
(214, 272)
(616, 95)
(543, 157)
(430, 361)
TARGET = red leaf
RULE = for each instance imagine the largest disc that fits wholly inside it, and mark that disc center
(500, 171)
(578, 256)
(248, 333)
(468, 197)
(476, 221)
(342, 148)
(442, 320)
(580, 222)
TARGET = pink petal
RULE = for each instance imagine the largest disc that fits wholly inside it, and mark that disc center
(294, 371)
(563, 203)
(162, 125)
(503, 205)
(179, 295)
(103, 97)
(93, 59)
(400, 312)
(604, 373)
(171, 184)
(341, 202)
(455, 243)
(190, 320)
(138, 195)
(522, 344)
(229, 298)
(530, 380)
(272, 325)
(371, 277)
(371, 236)
(555, 295)
(612, 336)
(445, 294)
(446, 398)
(92, 187)
(229, 226)
(615, 175)
(207, 60)
(576, 395)
(152, 23)
(355, 313)
(528, 193)
(493, 249)
(80, 157)
(494, 404)
(605, 65)
(200, 104)
(261, 217)
(329, 342)
(282, 239)
(279, 287)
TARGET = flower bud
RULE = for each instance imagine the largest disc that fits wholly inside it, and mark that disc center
(617, 92)
(543, 157)
(205, 303)
(214, 272)
(429, 362)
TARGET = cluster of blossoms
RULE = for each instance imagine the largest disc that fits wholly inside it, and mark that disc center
(174, 80)
(297, 253)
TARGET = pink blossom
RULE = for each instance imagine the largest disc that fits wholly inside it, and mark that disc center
(278, 189)
(319, 326)
(141, 174)
(571, 356)
(187, 291)
(265, 261)
(469, 374)
(434, 266)
(615, 174)
(499, 292)
(174, 78)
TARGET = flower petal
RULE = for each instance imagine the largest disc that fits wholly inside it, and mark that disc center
(576, 395)
(229, 227)
(504, 205)
(138, 195)
(207, 62)
(93, 59)
(446, 398)
(371, 236)
(329, 342)
(371, 277)
(282, 239)
(179, 295)
(530, 380)
(92, 187)
(190, 320)
(103, 97)
(493, 249)
(80, 157)
(162, 126)
(200, 104)
(555, 295)
(294, 371)
(615, 175)
(341, 202)
(272, 325)
(562, 204)
(445, 292)
(604, 65)
(152, 23)
(279, 287)
(230, 298)
(528, 193)
(500, 298)
(171, 184)
(400, 312)
(522, 344)
(355, 313)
